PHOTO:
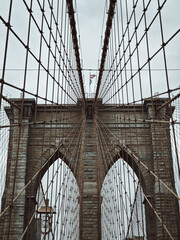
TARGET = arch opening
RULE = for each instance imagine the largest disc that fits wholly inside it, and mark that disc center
(122, 209)
(59, 186)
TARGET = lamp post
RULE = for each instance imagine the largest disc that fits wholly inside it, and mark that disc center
(46, 214)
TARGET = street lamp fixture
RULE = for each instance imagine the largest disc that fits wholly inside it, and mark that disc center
(46, 214)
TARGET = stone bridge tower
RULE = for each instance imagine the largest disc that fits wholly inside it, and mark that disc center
(151, 142)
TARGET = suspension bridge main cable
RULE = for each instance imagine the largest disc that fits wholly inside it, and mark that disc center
(111, 12)
(75, 44)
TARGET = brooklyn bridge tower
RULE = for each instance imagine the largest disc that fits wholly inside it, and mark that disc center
(89, 153)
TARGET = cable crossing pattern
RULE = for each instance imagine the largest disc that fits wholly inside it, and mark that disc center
(77, 167)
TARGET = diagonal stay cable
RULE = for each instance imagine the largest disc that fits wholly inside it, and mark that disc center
(36, 174)
(53, 177)
(129, 152)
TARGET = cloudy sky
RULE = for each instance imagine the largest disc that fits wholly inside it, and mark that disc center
(92, 16)
(91, 19)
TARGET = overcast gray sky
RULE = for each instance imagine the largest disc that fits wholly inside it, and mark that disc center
(91, 21)
(90, 14)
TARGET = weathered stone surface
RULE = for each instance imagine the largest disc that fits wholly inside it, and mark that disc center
(90, 218)
(149, 141)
